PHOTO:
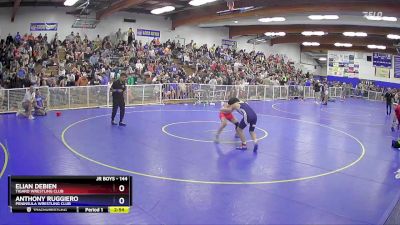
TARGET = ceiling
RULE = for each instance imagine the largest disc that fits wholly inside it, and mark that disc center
(355, 20)
(246, 23)
(296, 12)
(10, 3)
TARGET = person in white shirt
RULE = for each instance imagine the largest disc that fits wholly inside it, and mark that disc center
(186, 58)
(152, 53)
(236, 66)
(70, 79)
(2, 94)
(182, 89)
(139, 67)
(61, 72)
(34, 79)
(130, 71)
(213, 81)
(27, 103)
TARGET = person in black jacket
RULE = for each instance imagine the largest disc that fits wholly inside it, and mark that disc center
(118, 89)
(317, 91)
(389, 96)
(9, 39)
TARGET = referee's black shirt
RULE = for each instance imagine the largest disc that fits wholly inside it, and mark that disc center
(118, 85)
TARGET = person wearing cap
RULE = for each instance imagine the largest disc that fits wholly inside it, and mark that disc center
(118, 89)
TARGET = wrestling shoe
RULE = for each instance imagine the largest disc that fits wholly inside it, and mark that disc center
(242, 147)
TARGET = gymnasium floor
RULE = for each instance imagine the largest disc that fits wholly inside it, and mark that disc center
(315, 165)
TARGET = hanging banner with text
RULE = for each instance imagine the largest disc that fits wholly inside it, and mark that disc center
(382, 60)
(397, 66)
(44, 26)
(148, 33)
(229, 43)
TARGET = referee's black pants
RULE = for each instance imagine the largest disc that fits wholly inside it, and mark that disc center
(388, 108)
(118, 103)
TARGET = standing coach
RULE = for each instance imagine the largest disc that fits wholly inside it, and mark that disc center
(118, 89)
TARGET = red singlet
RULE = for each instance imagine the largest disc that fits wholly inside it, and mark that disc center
(228, 116)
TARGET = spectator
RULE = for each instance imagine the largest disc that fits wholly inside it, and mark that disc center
(28, 103)
(39, 109)
(317, 90)
(17, 38)
(2, 93)
(389, 98)
(155, 60)
(83, 81)
(131, 36)
(139, 67)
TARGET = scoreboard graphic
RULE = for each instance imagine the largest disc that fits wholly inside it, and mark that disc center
(70, 194)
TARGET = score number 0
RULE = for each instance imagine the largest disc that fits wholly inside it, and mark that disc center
(121, 200)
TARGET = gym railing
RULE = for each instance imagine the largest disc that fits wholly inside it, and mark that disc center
(57, 98)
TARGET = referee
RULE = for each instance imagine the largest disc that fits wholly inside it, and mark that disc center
(118, 89)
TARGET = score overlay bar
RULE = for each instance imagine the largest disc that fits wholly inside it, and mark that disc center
(65, 194)
(78, 209)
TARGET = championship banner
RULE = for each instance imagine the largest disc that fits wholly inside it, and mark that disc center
(43, 26)
(148, 33)
(382, 60)
(397, 66)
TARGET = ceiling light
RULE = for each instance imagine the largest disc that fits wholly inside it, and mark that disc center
(70, 2)
(272, 19)
(381, 18)
(347, 45)
(393, 36)
(322, 59)
(236, 21)
(389, 18)
(323, 17)
(316, 17)
(373, 18)
(272, 34)
(200, 2)
(331, 17)
(311, 44)
(377, 47)
(319, 33)
(311, 33)
(349, 34)
(162, 10)
(261, 40)
(355, 34)
(307, 33)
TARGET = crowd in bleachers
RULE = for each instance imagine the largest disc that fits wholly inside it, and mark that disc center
(29, 60)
